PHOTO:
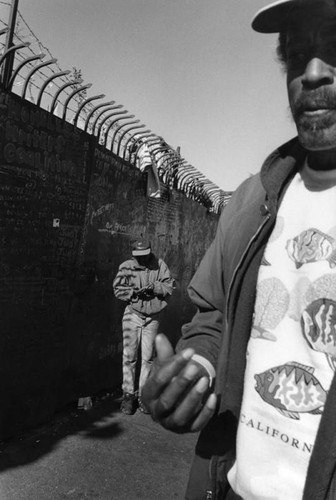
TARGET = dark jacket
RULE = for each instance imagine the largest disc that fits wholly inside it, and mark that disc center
(223, 289)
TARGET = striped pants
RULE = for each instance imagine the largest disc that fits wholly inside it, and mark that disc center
(138, 332)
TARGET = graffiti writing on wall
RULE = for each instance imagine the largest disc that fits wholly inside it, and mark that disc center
(115, 228)
(101, 210)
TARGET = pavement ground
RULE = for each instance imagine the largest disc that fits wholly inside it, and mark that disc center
(99, 454)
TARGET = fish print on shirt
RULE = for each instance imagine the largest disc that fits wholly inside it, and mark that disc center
(318, 324)
(291, 389)
(305, 292)
(318, 316)
(312, 245)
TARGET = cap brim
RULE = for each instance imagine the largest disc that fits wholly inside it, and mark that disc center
(272, 18)
(139, 253)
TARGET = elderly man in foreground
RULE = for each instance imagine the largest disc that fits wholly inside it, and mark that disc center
(254, 370)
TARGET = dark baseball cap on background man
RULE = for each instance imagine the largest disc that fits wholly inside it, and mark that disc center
(141, 248)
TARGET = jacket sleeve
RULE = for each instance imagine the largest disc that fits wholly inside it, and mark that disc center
(121, 287)
(206, 291)
(165, 284)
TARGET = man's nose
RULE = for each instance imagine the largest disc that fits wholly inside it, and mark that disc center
(317, 73)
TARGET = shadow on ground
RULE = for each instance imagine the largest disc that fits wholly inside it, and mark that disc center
(34, 443)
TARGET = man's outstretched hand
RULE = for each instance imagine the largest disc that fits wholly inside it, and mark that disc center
(177, 390)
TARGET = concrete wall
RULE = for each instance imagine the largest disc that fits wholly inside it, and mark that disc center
(70, 211)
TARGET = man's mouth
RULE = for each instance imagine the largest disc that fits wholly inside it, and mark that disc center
(315, 111)
(315, 108)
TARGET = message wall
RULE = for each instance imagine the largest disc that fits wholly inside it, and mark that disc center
(70, 211)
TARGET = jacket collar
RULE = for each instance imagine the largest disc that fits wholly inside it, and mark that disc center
(279, 167)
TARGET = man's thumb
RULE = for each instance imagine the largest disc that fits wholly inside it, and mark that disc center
(164, 349)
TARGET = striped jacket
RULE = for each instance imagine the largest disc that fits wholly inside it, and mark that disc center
(132, 277)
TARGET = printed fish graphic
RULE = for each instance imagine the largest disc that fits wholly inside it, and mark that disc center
(318, 322)
(291, 389)
(311, 246)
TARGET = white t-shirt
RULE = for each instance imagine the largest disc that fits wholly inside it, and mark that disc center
(291, 355)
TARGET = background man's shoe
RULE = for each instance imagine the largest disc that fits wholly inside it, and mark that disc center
(128, 404)
(142, 407)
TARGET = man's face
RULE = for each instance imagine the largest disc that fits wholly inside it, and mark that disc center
(144, 259)
(311, 73)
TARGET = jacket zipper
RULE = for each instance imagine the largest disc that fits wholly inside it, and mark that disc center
(212, 474)
(253, 238)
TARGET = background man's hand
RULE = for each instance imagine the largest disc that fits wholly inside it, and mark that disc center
(177, 390)
(146, 292)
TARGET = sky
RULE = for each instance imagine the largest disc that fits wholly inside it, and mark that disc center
(193, 71)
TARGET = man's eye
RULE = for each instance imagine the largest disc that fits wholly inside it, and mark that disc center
(296, 59)
(296, 56)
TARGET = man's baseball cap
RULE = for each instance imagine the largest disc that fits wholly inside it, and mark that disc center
(273, 18)
(141, 247)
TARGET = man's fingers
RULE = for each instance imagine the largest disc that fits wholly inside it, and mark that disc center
(163, 374)
(188, 407)
(182, 382)
(205, 414)
(191, 414)
(167, 373)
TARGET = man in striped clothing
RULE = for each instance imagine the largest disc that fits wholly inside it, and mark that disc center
(145, 283)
